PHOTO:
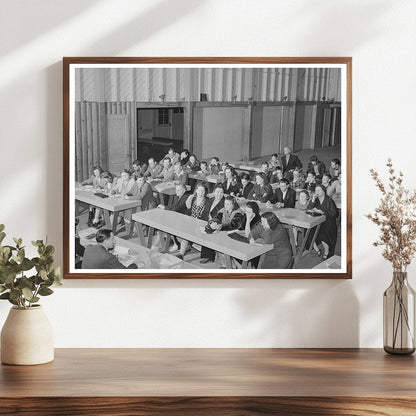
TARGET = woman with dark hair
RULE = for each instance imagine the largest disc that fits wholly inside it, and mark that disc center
(327, 234)
(230, 185)
(95, 181)
(245, 186)
(193, 163)
(261, 191)
(229, 218)
(273, 232)
(326, 182)
(310, 182)
(253, 222)
(142, 191)
(184, 157)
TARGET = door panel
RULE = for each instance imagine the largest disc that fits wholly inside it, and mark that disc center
(118, 143)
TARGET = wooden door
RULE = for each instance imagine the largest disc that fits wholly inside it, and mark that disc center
(118, 143)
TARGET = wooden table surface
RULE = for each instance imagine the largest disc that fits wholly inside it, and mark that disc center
(189, 228)
(212, 382)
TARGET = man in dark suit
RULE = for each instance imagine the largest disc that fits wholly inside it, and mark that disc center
(317, 167)
(98, 256)
(284, 196)
(178, 202)
(289, 161)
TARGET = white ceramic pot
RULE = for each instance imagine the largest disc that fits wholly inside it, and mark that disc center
(27, 337)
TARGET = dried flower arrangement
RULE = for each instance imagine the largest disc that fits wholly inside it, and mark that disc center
(396, 216)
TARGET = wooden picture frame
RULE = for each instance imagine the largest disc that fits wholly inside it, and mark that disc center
(248, 107)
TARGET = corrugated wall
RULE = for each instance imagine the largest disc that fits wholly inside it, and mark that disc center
(220, 84)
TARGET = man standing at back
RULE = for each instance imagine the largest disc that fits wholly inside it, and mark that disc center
(290, 162)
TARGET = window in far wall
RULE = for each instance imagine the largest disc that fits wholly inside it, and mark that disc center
(163, 117)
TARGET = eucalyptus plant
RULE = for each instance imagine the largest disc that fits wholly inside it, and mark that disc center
(23, 280)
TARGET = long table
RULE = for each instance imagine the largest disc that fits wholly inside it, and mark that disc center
(206, 178)
(189, 228)
(111, 204)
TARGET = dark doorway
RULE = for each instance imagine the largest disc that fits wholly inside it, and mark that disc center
(159, 128)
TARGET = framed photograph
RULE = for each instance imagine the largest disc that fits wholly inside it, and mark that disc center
(207, 168)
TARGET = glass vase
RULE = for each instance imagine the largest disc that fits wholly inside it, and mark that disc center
(399, 316)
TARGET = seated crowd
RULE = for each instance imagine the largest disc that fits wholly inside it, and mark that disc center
(233, 203)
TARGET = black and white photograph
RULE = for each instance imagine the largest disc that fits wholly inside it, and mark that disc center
(212, 169)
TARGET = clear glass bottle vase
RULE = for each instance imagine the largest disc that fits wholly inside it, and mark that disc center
(399, 316)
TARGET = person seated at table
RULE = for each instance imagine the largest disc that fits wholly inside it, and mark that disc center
(214, 205)
(310, 182)
(204, 169)
(276, 175)
(98, 256)
(167, 172)
(335, 189)
(215, 166)
(297, 180)
(172, 155)
(274, 161)
(143, 192)
(265, 168)
(303, 202)
(327, 234)
(273, 232)
(106, 185)
(284, 196)
(95, 181)
(198, 205)
(124, 184)
(184, 157)
(290, 161)
(79, 248)
(95, 178)
(261, 191)
(316, 166)
(335, 168)
(228, 218)
(178, 204)
(245, 186)
(179, 175)
(138, 167)
(230, 184)
(193, 163)
(326, 181)
(252, 222)
(153, 169)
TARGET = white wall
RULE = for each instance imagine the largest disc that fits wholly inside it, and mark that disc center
(380, 35)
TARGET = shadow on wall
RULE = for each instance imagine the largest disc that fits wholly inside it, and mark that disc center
(301, 314)
(350, 24)
(39, 17)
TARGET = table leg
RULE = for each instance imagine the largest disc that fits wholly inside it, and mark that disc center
(107, 219)
(141, 234)
(228, 261)
(150, 237)
(115, 222)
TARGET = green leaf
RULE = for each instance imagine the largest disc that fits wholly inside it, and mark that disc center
(37, 243)
(21, 255)
(17, 241)
(2, 236)
(2, 288)
(49, 250)
(26, 264)
(2, 227)
(5, 295)
(27, 293)
(15, 294)
(43, 275)
(45, 291)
